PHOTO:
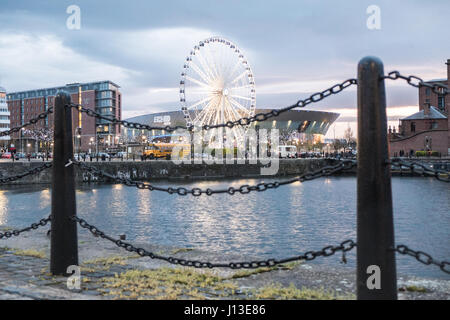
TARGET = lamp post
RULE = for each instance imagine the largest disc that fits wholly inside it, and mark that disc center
(79, 143)
(21, 139)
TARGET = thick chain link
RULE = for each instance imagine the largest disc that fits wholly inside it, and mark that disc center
(343, 165)
(417, 82)
(33, 226)
(423, 257)
(26, 173)
(308, 256)
(314, 98)
(421, 169)
(30, 122)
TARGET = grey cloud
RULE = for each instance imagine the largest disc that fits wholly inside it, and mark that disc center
(283, 40)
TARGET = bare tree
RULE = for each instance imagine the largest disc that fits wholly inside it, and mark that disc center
(350, 141)
(44, 135)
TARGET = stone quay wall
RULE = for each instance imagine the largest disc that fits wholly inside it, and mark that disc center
(163, 170)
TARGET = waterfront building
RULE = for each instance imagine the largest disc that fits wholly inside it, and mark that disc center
(4, 119)
(90, 134)
(428, 129)
(303, 122)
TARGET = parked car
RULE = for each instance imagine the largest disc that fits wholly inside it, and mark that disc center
(103, 155)
(6, 155)
(287, 151)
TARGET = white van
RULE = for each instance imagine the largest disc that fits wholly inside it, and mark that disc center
(287, 151)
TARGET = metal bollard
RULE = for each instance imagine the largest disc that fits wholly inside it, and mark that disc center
(64, 245)
(375, 225)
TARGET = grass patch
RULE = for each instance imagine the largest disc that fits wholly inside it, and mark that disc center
(276, 291)
(167, 284)
(248, 273)
(180, 250)
(413, 289)
(30, 253)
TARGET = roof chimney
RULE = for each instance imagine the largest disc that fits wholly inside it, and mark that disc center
(426, 109)
(448, 69)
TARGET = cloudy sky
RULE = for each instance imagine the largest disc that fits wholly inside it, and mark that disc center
(294, 47)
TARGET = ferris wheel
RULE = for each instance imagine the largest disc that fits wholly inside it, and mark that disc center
(217, 86)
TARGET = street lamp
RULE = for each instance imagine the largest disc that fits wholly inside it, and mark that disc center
(21, 139)
(79, 143)
(91, 143)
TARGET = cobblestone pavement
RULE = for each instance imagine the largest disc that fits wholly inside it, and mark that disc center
(107, 272)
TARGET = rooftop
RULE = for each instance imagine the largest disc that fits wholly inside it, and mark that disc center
(434, 114)
(69, 85)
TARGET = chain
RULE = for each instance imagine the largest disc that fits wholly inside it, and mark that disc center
(33, 226)
(418, 82)
(423, 257)
(422, 169)
(308, 256)
(30, 122)
(27, 173)
(343, 165)
(314, 98)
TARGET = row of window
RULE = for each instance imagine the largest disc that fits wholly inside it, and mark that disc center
(106, 103)
(106, 111)
(4, 117)
(105, 95)
(53, 91)
(4, 125)
(432, 125)
(440, 104)
(32, 94)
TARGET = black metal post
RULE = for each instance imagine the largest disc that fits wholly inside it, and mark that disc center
(64, 245)
(375, 226)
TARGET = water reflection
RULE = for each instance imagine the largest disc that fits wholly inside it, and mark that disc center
(277, 223)
(3, 207)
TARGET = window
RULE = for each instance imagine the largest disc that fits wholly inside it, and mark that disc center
(441, 102)
(413, 127)
(103, 95)
(427, 92)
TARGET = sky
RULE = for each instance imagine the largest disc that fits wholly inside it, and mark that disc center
(294, 47)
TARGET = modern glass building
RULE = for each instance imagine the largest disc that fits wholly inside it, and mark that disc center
(299, 121)
(4, 118)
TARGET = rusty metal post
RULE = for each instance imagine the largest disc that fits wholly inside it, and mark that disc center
(64, 245)
(375, 225)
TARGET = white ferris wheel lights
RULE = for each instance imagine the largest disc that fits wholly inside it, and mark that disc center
(217, 86)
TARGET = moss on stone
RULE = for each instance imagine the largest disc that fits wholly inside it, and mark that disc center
(30, 253)
(166, 283)
(277, 291)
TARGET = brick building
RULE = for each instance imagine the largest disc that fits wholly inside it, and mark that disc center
(103, 97)
(428, 129)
